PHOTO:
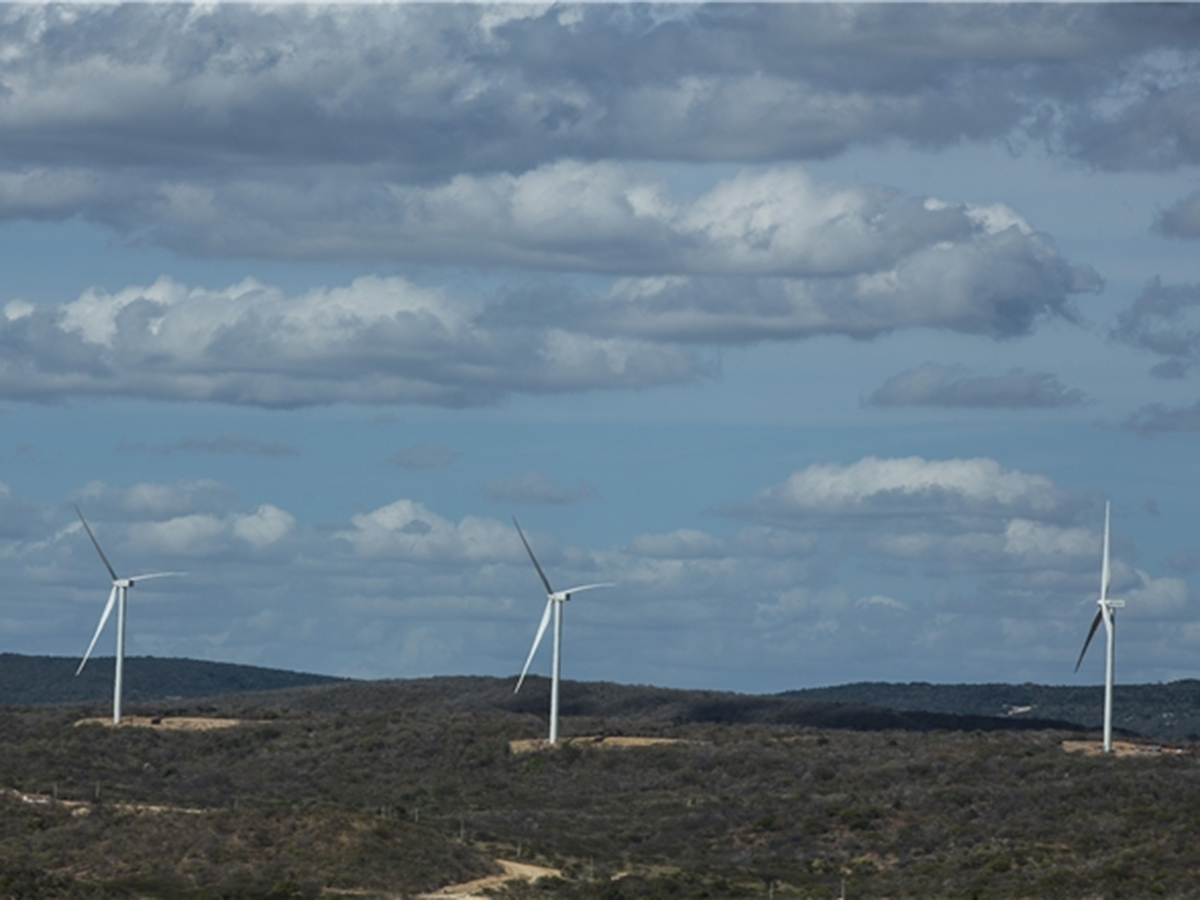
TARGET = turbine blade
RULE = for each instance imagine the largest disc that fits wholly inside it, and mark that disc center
(1091, 631)
(588, 587)
(1105, 574)
(96, 544)
(134, 578)
(108, 608)
(537, 640)
(529, 550)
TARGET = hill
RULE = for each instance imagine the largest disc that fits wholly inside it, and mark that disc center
(385, 789)
(1167, 711)
(33, 680)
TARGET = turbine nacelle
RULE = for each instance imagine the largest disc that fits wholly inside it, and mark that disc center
(564, 596)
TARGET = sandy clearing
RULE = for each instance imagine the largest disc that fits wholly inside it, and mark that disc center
(473, 890)
(83, 807)
(601, 741)
(1120, 748)
(166, 723)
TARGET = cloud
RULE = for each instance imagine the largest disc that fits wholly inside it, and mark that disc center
(1165, 320)
(154, 499)
(377, 340)
(537, 488)
(423, 456)
(206, 535)
(406, 529)
(907, 487)
(594, 216)
(996, 284)
(223, 444)
(428, 89)
(1156, 597)
(1182, 220)
(387, 340)
(931, 384)
(1156, 418)
(750, 607)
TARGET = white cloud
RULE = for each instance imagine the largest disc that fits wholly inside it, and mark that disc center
(204, 534)
(406, 529)
(1156, 597)
(910, 486)
(377, 340)
(265, 526)
(153, 499)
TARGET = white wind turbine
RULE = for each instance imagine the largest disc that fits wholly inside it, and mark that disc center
(120, 589)
(1105, 613)
(554, 601)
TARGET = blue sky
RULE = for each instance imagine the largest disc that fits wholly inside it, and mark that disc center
(823, 331)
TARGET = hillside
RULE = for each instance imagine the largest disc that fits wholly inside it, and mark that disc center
(1165, 711)
(32, 680)
(1168, 711)
(385, 789)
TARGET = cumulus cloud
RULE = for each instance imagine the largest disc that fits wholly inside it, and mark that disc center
(911, 486)
(423, 456)
(536, 487)
(931, 384)
(1165, 320)
(409, 530)
(1156, 597)
(387, 340)
(597, 216)
(996, 284)
(152, 499)
(377, 340)
(203, 535)
(430, 89)
(687, 600)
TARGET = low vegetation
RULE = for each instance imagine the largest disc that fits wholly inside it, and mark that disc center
(393, 788)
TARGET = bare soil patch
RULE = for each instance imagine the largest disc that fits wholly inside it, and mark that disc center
(474, 890)
(601, 741)
(165, 723)
(1119, 748)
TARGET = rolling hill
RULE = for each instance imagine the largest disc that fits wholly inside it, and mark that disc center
(35, 680)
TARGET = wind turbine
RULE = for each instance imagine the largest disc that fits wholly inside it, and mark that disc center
(120, 589)
(1105, 613)
(554, 601)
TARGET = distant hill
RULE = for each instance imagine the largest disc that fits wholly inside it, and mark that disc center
(1165, 711)
(599, 707)
(37, 680)
(1169, 711)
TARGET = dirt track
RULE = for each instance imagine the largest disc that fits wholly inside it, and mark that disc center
(474, 890)
(166, 723)
(1119, 748)
(606, 743)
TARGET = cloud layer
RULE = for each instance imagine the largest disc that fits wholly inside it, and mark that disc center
(797, 593)
(931, 384)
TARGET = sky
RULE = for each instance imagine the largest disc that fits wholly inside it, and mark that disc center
(824, 332)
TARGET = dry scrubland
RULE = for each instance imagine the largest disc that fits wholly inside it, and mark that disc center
(398, 788)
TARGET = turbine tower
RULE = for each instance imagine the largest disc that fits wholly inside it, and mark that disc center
(554, 601)
(118, 594)
(1106, 614)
